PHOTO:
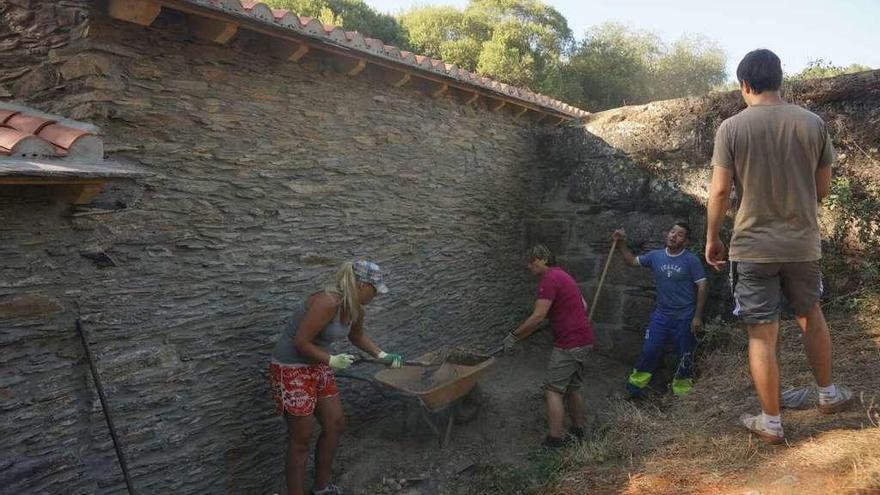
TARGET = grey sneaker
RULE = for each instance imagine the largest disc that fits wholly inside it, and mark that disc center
(842, 401)
(756, 426)
(797, 397)
(330, 489)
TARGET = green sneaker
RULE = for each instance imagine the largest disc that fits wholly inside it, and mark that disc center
(682, 386)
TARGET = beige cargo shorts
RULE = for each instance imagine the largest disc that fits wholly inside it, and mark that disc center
(565, 370)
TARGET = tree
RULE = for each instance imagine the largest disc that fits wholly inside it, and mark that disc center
(615, 66)
(446, 33)
(693, 65)
(819, 68)
(611, 67)
(519, 42)
(527, 43)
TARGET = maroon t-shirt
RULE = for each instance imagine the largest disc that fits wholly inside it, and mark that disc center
(567, 314)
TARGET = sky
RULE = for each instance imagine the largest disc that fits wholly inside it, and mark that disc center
(840, 31)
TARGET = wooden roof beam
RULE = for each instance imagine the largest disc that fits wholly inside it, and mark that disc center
(210, 29)
(142, 12)
(290, 51)
(350, 66)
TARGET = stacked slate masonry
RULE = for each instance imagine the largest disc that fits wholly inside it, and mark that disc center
(265, 176)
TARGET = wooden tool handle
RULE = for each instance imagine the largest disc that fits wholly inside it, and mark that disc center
(602, 279)
(422, 364)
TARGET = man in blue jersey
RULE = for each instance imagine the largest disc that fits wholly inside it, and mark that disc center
(681, 295)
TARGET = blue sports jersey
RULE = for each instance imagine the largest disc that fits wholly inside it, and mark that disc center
(675, 277)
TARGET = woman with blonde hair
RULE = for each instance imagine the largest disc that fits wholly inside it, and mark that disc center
(301, 370)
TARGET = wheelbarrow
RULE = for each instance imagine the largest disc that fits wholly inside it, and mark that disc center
(436, 395)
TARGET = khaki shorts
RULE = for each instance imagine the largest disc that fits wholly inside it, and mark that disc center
(758, 289)
(566, 368)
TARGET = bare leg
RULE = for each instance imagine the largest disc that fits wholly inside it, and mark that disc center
(299, 432)
(817, 343)
(555, 413)
(764, 366)
(332, 419)
(575, 407)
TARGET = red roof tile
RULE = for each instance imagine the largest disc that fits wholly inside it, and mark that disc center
(355, 42)
(6, 115)
(28, 124)
(26, 133)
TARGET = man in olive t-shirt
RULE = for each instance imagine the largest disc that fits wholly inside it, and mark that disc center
(779, 157)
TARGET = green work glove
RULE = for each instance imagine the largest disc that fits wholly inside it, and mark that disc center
(509, 342)
(390, 360)
(340, 361)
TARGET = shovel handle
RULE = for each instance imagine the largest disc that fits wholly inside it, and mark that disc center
(602, 280)
(497, 351)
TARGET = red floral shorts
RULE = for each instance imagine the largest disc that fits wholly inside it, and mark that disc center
(296, 389)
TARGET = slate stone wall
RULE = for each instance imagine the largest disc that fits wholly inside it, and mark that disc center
(266, 175)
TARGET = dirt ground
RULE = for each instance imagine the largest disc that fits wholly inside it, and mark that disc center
(495, 452)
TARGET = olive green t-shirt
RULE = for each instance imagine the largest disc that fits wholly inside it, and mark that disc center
(774, 151)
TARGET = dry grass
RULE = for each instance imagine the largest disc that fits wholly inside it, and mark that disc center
(693, 445)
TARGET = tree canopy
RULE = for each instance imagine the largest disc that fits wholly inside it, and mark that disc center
(820, 68)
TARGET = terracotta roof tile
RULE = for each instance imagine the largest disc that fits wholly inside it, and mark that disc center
(27, 133)
(66, 152)
(356, 42)
(61, 135)
(28, 124)
(6, 115)
(16, 143)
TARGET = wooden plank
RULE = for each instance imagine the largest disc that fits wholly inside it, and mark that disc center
(211, 29)
(357, 67)
(401, 82)
(142, 12)
(84, 194)
(440, 91)
(46, 181)
(287, 50)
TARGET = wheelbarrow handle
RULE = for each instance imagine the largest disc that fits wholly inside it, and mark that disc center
(497, 351)
(365, 359)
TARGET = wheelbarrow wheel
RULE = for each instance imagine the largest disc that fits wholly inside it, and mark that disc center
(469, 407)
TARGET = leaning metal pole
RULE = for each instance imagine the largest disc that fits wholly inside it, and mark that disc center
(105, 407)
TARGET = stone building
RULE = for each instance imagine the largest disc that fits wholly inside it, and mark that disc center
(195, 166)
(237, 155)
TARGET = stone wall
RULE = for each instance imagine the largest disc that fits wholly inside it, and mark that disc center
(266, 175)
(645, 167)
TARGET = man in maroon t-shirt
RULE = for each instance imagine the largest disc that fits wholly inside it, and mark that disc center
(560, 300)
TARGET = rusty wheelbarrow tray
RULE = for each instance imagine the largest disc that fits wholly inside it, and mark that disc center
(437, 396)
(436, 390)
